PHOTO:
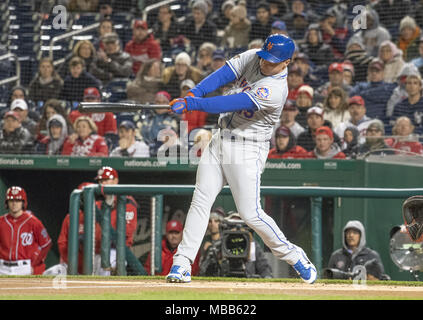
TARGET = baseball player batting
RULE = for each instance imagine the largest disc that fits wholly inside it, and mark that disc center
(248, 113)
(24, 242)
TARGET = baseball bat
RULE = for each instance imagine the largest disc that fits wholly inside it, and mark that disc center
(118, 107)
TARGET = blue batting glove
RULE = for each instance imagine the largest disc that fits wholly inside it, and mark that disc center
(178, 106)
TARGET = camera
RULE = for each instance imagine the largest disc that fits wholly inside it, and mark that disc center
(227, 256)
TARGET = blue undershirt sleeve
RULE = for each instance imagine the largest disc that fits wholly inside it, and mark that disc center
(217, 79)
(221, 104)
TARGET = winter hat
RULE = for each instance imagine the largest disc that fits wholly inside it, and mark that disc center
(202, 6)
(307, 90)
(184, 58)
(407, 22)
(378, 125)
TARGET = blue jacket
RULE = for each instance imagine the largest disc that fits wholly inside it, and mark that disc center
(376, 96)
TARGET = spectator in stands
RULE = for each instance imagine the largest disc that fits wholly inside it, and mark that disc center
(198, 28)
(418, 62)
(14, 138)
(354, 252)
(391, 12)
(336, 79)
(86, 51)
(278, 8)
(349, 73)
(88, 143)
(375, 91)
(313, 46)
(412, 107)
(112, 62)
(50, 108)
(222, 19)
(46, 84)
(262, 25)
(174, 75)
(325, 147)
(288, 119)
(358, 119)
(147, 82)
(155, 121)
(360, 59)
(314, 120)
(391, 56)
(57, 132)
(129, 145)
(21, 108)
(104, 121)
(374, 34)
(20, 92)
(83, 5)
(304, 101)
(286, 146)
(375, 141)
(335, 107)
(105, 27)
(350, 144)
(299, 9)
(165, 29)
(335, 32)
(143, 46)
(219, 59)
(169, 246)
(399, 93)
(237, 32)
(295, 81)
(194, 119)
(409, 38)
(205, 57)
(105, 8)
(303, 62)
(76, 82)
(404, 138)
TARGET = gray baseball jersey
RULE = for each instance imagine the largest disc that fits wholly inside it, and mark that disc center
(268, 93)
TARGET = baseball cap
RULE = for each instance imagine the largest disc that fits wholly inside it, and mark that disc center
(336, 67)
(280, 25)
(324, 130)
(219, 54)
(376, 64)
(55, 123)
(110, 37)
(187, 83)
(19, 104)
(282, 131)
(164, 93)
(356, 100)
(348, 66)
(127, 124)
(11, 114)
(290, 106)
(307, 90)
(140, 24)
(315, 110)
(91, 92)
(294, 68)
(174, 225)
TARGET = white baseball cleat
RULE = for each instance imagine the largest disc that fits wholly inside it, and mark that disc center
(179, 274)
(305, 269)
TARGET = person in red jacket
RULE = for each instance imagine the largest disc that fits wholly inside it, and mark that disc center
(286, 146)
(88, 142)
(325, 146)
(105, 121)
(24, 241)
(170, 244)
(143, 46)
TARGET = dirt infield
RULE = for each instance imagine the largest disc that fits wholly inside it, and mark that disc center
(20, 288)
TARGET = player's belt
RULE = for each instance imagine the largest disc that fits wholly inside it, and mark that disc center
(239, 139)
(13, 263)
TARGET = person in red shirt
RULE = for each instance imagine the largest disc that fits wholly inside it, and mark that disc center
(404, 140)
(105, 121)
(325, 146)
(143, 46)
(295, 81)
(170, 244)
(88, 143)
(24, 241)
(285, 146)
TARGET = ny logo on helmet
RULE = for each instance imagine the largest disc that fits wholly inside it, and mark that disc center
(269, 46)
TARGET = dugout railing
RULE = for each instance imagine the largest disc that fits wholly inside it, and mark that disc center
(124, 255)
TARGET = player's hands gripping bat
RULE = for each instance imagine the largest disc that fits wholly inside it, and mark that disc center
(179, 106)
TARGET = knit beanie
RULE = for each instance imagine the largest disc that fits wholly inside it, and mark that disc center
(408, 22)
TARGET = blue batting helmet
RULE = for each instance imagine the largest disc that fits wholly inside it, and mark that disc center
(277, 48)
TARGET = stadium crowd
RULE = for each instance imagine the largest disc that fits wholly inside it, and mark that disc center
(352, 92)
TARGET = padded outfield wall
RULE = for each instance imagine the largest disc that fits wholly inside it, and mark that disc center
(50, 180)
